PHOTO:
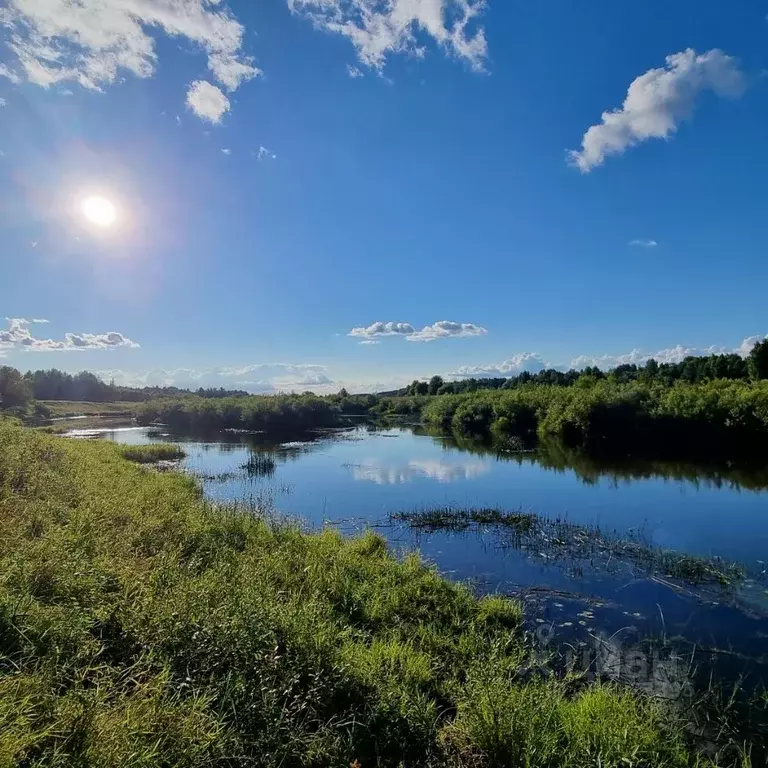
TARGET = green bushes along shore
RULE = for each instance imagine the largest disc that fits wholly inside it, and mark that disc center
(713, 418)
(140, 626)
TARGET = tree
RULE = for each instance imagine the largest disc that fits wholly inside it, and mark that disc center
(434, 384)
(15, 392)
(343, 392)
(758, 360)
(651, 370)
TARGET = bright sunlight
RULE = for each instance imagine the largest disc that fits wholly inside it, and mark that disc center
(100, 211)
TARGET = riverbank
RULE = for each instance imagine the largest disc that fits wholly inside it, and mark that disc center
(718, 419)
(141, 625)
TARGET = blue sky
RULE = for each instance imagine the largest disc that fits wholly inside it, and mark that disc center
(314, 194)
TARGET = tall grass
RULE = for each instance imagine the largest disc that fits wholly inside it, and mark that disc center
(152, 453)
(141, 627)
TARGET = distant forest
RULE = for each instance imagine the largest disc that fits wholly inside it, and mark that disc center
(693, 370)
(17, 389)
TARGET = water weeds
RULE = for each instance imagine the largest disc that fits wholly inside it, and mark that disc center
(459, 519)
(580, 547)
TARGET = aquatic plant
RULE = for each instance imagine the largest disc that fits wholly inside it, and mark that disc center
(561, 540)
(260, 465)
(459, 518)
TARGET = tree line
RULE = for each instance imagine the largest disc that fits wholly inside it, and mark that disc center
(17, 390)
(693, 370)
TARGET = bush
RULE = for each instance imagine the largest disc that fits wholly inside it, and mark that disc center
(719, 417)
(274, 413)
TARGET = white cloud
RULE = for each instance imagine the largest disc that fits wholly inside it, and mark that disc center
(671, 355)
(263, 153)
(207, 101)
(523, 361)
(443, 329)
(226, 151)
(533, 362)
(354, 72)
(369, 342)
(637, 357)
(657, 102)
(18, 336)
(746, 345)
(98, 340)
(642, 243)
(3, 102)
(383, 329)
(379, 28)
(94, 42)
(268, 378)
(6, 72)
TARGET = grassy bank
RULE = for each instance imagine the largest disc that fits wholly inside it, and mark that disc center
(62, 408)
(140, 627)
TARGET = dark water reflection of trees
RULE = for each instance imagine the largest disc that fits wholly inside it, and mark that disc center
(557, 457)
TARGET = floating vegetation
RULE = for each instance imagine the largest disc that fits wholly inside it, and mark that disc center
(214, 477)
(260, 465)
(580, 547)
(459, 519)
(151, 454)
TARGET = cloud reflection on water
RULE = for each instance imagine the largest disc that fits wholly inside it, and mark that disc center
(396, 474)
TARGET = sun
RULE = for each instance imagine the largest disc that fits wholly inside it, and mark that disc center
(99, 211)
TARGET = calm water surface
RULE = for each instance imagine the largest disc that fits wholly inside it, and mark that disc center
(354, 479)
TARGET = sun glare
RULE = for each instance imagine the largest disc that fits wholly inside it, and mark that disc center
(99, 211)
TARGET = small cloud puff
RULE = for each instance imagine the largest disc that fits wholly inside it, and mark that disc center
(207, 101)
(643, 243)
(523, 361)
(443, 329)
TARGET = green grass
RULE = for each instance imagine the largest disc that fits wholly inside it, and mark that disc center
(63, 408)
(150, 454)
(141, 627)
